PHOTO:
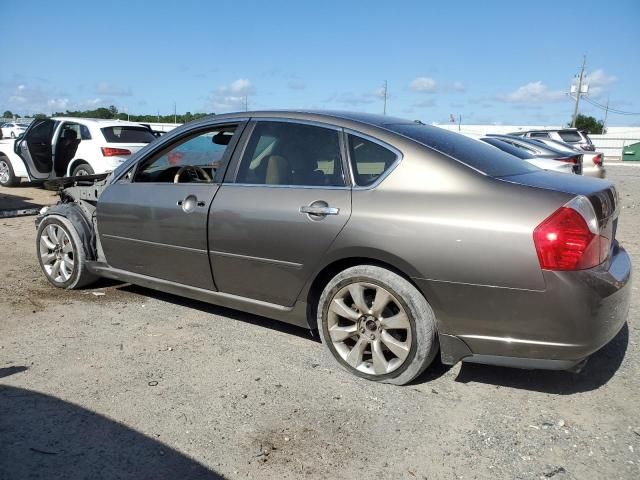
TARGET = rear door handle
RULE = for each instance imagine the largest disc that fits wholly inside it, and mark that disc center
(317, 210)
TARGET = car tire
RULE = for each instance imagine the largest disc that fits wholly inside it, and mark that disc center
(82, 169)
(61, 254)
(13, 135)
(392, 342)
(7, 177)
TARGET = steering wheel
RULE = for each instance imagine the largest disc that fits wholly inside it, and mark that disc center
(194, 170)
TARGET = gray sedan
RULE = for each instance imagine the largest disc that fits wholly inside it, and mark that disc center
(393, 239)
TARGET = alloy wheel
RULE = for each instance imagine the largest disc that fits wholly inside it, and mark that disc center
(369, 328)
(4, 171)
(56, 252)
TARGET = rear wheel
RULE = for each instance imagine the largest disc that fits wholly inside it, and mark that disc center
(61, 254)
(7, 177)
(82, 169)
(377, 325)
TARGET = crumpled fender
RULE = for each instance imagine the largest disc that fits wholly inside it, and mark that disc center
(74, 213)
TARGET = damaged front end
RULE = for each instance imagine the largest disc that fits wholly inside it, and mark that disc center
(78, 202)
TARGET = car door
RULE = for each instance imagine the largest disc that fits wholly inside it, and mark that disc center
(35, 148)
(153, 221)
(286, 200)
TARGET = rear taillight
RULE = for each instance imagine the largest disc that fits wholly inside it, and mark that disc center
(114, 152)
(569, 239)
(597, 159)
(573, 160)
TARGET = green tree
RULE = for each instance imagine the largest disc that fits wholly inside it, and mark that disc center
(7, 114)
(590, 124)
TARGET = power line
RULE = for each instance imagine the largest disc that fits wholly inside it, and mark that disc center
(604, 107)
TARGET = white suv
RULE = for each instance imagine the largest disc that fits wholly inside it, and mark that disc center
(58, 147)
(572, 136)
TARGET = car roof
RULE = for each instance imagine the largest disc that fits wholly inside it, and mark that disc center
(100, 122)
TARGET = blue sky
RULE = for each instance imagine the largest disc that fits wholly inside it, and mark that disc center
(491, 62)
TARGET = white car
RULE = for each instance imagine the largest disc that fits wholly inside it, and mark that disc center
(59, 147)
(593, 162)
(13, 130)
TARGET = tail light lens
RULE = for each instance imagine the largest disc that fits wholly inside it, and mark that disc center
(597, 160)
(569, 239)
(573, 160)
(114, 152)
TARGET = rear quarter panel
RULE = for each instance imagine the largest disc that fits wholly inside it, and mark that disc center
(445, 222)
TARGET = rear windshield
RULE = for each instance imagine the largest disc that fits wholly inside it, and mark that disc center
(506, 147)
(473, 153)
(571, 137)
(127, 134)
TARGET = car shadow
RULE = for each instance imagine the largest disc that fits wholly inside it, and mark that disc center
(238, 315)
(600, 368)
(17, 202)
(7, 371)
(45, 437)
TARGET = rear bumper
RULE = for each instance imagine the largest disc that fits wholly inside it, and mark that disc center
(594, 171)
(577, 314)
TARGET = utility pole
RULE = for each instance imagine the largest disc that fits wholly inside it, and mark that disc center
(384, 91)
(578, 92)
(606, 113)
(459, 121)
(174, 112)
(246, 102)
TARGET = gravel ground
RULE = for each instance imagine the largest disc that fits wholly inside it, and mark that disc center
(123, 382)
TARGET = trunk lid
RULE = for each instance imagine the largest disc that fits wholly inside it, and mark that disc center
(601, 193)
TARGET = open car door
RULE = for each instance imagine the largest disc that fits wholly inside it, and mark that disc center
(35, 149)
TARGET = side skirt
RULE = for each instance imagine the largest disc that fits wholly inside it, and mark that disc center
(296, 315)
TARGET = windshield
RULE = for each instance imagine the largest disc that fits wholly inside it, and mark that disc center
(478, 155)
(127, 134)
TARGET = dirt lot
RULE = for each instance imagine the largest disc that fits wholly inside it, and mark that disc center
(124, 382)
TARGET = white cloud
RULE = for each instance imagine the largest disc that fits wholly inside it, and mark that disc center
(598, 82)
(533, 92)
(232, 96)
(458, 86)
(423, 85)
(106, 88)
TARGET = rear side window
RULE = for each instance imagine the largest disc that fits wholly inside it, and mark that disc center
(570, 137)
(369, 160)
(127, 134)
(539, 135)
(471, 152)
(287, 153)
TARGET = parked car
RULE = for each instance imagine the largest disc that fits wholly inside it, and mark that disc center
(572, 136)
(522, 154)
(592, 162)
(65, 146)
(395, 240)
(575, 159)
(13, 130)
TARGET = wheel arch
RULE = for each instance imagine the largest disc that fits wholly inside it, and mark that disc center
(338, 263)
(78, 219)
(75, 163)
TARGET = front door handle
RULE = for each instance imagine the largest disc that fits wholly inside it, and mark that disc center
(189, 203)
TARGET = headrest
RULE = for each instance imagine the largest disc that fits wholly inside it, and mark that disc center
(69, 134)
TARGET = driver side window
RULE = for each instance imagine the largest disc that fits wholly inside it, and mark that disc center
(195, 159)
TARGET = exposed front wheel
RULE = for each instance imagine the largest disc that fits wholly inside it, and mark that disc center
(377, 325)
(7, 177)
(61, 254)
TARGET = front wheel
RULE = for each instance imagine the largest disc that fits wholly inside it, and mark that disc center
(377, 325)
(61, 254)
(13, 135)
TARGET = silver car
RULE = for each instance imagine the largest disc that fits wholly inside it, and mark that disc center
(393, 239)
(592, 162)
